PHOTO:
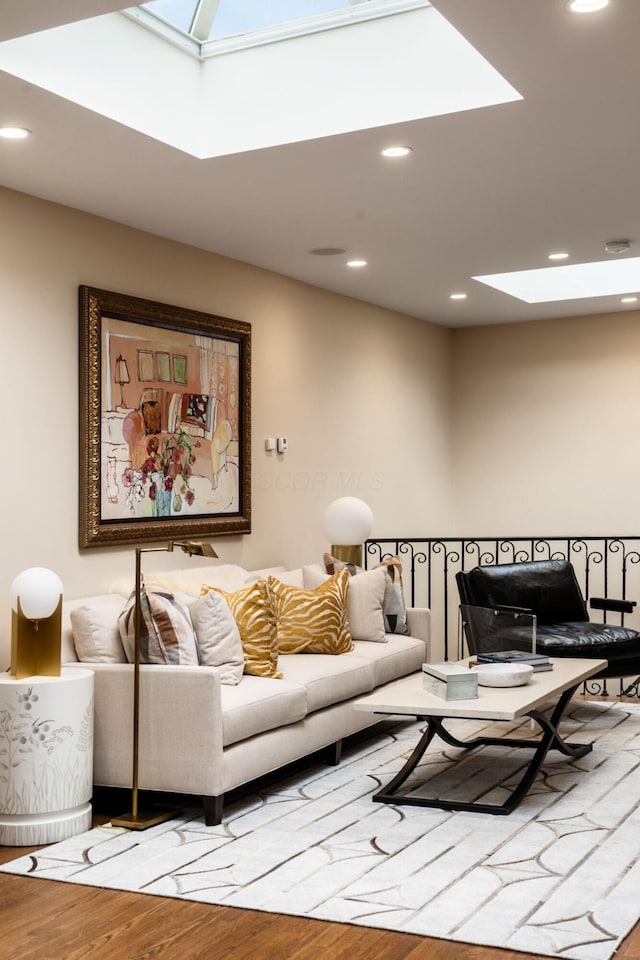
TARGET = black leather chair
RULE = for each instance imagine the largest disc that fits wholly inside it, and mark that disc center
(549, 590)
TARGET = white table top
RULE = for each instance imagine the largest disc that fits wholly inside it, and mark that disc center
(66, 674)
(407, 696)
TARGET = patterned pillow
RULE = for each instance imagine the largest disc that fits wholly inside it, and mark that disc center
(253, 613)
(364, 601)
(166, 634)
(312, 621)
(393, 605)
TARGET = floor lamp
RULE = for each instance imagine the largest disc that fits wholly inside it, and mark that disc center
(137, 820)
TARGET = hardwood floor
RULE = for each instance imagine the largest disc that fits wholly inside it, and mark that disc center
(45, 920)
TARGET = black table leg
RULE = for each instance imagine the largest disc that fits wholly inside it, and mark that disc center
(550, 740)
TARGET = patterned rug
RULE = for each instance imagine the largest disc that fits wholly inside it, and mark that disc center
(559, 876)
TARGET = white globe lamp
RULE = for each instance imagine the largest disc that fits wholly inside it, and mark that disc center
(348, 522)
(36, 623)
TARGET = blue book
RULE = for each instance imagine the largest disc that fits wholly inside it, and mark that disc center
(513, 656)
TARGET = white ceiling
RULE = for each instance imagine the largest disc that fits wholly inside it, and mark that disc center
(485, 191)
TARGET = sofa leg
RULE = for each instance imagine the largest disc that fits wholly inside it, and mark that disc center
(213, 810)
(333, 753)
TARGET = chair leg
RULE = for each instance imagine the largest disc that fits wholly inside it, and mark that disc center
(213, 810)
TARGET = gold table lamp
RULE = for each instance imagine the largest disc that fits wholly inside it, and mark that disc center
(36, 623)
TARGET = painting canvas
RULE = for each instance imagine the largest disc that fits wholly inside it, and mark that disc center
(165, 421)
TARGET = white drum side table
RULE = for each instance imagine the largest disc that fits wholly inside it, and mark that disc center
(46, 757)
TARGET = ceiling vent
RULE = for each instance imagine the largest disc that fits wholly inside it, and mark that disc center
(617, 246)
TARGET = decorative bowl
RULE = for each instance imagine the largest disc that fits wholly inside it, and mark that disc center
(503, 674)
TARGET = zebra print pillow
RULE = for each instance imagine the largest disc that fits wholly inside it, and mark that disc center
(393, 605)
(312, 621)
(251, 608)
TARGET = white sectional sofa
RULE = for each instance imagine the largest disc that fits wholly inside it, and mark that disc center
(203, 737)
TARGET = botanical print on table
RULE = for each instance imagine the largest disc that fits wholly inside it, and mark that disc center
(32, 776)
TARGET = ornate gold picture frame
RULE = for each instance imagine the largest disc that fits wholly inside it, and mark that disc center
(165, 421)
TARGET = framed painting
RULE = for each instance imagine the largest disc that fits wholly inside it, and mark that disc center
(165, 422)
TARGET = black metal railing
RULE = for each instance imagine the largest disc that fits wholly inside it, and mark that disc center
(605, 566)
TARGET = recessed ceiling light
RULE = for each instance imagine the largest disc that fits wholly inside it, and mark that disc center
(327, 251)
(559, 255)
(577, 281)
(396, 151)
(628, 300)
(586, 6)
(14, 133)
(356, 263)
(458, 296)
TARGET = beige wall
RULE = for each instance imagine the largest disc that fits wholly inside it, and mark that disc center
(510, 429)
(362, 394)
(545, 427)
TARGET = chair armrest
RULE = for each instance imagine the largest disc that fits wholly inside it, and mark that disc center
(615, 606)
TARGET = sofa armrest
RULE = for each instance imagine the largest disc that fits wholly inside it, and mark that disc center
(180, 746)
(419, 623)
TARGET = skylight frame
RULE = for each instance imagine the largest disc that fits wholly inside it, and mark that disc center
(303, 26)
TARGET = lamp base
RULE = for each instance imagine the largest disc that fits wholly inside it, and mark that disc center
(348, 554)
(144, 818)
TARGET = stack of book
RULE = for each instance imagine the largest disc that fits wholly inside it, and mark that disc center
(539, 661)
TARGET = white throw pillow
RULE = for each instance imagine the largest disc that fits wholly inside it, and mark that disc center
(96, 636)
(364, 602)
(217, 637)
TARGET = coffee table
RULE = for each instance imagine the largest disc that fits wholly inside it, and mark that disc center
(551, 689)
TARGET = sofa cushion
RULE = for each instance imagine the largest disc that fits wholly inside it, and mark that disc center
(328, 680)
(397, 658)
(364, 601)
(312, 621)
(166, 631)
(217, 636)
(259, 704)
(94, 624)
(292, 577)
(253, 613)
(252, 575)
(393, 605)
(227, 576)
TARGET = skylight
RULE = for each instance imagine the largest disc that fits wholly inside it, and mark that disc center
(574, 282)
(359, 65)
(216, 19)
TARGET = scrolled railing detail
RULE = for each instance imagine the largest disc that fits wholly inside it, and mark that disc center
(606, 566)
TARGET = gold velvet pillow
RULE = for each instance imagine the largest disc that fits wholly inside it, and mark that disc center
(253, 613)
(312, 621)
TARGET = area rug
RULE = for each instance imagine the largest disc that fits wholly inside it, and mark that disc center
(559, 876)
